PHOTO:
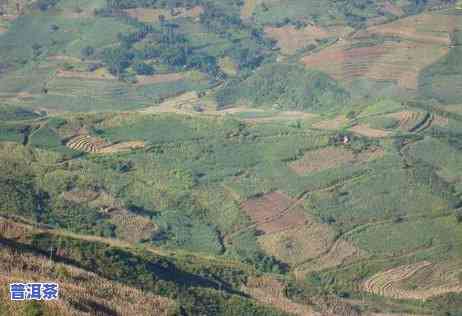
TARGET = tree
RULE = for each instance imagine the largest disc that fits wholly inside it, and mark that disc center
(117, 60)
(142, 68)
(87, 51)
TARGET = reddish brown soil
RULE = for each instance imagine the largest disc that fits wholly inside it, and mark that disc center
(273, 212)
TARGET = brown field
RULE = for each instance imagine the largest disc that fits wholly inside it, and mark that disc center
(296, 245)
(143, 80)
(333, 124)
(248, 8)
(424, 39)
(440, 120)
(407, 119)
(77, 287)
(290, 39)
(392, 8)
(427, 28)
(369, 132)
(341, 252)
(152, 15)
(122, 147)
(131, 227)
(90, 144)
(331, 157)
(85, 75)
(274, 212)
(86, 143)
(3, 29)
(268, 291)
(434, 280)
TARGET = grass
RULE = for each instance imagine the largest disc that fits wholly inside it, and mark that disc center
(401, 238)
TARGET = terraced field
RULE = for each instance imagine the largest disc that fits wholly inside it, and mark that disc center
(387, 283)
(423, 40)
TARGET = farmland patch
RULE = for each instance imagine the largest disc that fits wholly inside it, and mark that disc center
(274, 212)
(365, 130)
(332, 157)
(388, 283)
(290, 39)
(298, 244)
(270, 291)
(147, 15)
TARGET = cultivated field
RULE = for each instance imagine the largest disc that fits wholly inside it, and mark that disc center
(271, 292)
(153, 15)
(89, 144)
(367, 131)
(423, 40)
(290, 39)
(274, 212)
(332, 157)
(79, 289)
(387, 283)
(296, 245)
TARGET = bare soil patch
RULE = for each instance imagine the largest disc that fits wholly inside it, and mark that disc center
(424, 39)
(90, 144)
(428, 28)
(76, 285)
(269, 291)
(274, 212)
(333, 124)
(86, 143)
(342, 252)
(122, 147)
(144, 80)
(153, 15)
(367, 131)
(248, 8)
(392, 8)
(296, 245)
(290, 38)
(332, 157)
(85, 75)
(131, 227)
(389, 283)
(407, 119)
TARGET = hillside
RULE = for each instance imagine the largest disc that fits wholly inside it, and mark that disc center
(222, 157)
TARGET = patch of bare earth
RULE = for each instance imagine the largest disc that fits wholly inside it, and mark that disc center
(367, 131)
(333, 124)
(440, 120)
(428, 28)
(84, 75)
(389, 283)
(392, 8)
(423, 40)
(407, 119)
(298, 244)
(290, 39)
(153, 15)
(268, 291)
(122, 147)
(131, 227)
(342, 252)
(332, 157)
(90, 144)
(161, 78)
(274, 212)
(282, 116)
(78, 287)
